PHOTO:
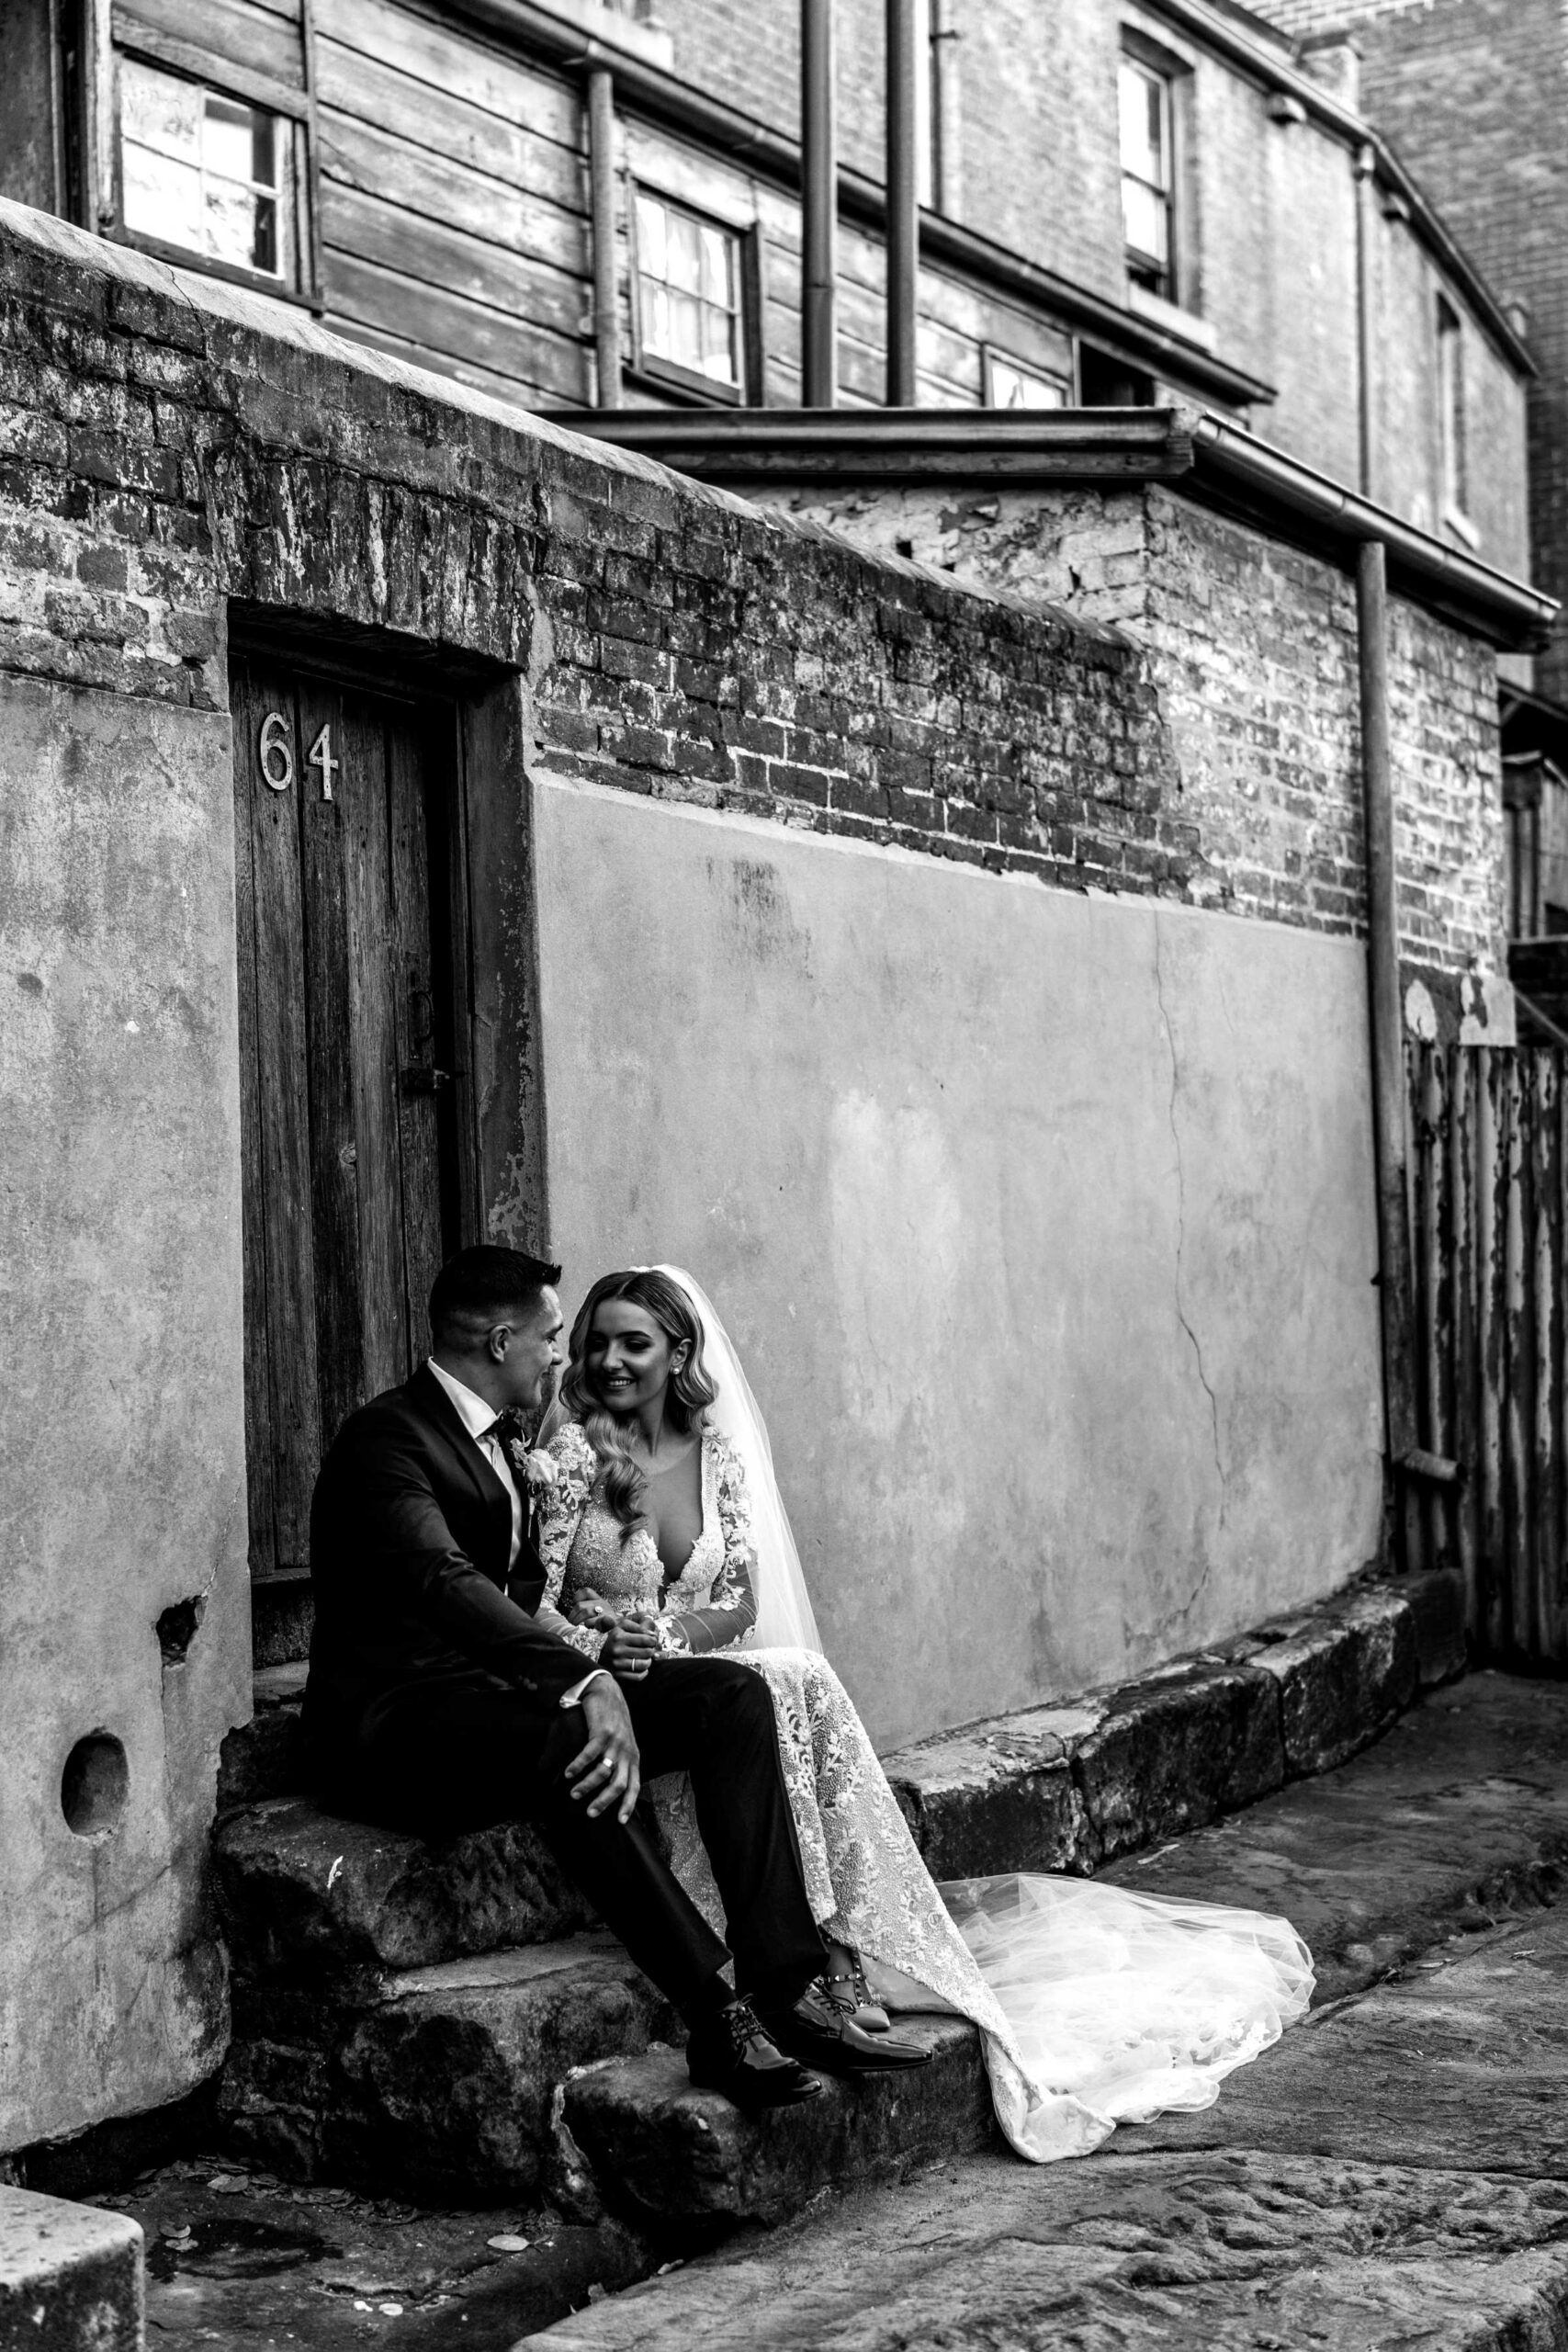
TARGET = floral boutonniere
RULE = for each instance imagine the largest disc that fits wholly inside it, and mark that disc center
(538, 1470)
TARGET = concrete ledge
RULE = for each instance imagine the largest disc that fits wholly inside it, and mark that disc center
(70, 2277)
(1068, 1788)
(668, 2157)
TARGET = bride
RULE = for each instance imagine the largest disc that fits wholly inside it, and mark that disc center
(663, 1533)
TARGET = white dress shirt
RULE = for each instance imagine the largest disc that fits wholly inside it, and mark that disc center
(480, 1420)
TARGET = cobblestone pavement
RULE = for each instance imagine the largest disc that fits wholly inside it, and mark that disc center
(1392, 2175)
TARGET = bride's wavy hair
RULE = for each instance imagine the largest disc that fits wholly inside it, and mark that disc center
(689, 1395)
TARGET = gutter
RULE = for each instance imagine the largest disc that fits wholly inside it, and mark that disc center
(662, 97)
(1205, 455)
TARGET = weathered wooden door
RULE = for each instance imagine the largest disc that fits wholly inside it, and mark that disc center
(348, 1047)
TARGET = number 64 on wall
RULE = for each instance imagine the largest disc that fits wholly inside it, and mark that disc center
(276, 754)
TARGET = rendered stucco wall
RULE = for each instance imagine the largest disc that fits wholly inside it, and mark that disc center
(1043, 1223)
(121, 1484)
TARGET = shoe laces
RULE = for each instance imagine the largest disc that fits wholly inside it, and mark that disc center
(743, 2026)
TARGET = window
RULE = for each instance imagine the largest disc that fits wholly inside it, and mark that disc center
(1454, 454)
(689, 276)
(1012, 383)
(207, 175)
(1148, 176)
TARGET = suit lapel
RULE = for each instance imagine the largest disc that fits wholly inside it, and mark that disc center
(437, 1407)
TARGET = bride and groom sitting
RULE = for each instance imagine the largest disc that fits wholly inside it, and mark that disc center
(448, 1690)
(506, 1632)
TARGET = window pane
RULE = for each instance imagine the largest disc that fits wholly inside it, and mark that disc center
(650, 220)
(226, 140)
(1143, 141)
(1147, 220)
(1016, 387)
(718, 345)
(716, 248)
(159, 111)
(162, 198)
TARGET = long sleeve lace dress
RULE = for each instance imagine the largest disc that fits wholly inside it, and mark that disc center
(1095, 2006)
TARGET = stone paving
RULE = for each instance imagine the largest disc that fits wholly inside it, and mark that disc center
(1390, 2175)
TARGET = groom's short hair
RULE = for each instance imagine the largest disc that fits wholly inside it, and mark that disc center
(475, 1290)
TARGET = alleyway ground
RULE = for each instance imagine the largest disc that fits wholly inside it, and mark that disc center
(1393, 2174)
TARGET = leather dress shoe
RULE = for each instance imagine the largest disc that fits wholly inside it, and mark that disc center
(732, 2053)
(822, 2033)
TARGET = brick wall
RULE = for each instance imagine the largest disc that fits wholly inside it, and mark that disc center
(687, 645)
(1252, 648)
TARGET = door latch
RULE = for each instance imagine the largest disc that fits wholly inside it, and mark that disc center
(422, 1080)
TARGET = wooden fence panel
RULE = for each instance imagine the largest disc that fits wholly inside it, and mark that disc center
(1488, 1162)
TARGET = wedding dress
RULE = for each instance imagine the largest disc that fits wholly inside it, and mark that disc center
(1097, 2006)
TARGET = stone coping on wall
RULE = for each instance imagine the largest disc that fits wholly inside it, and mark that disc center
(70, 2276)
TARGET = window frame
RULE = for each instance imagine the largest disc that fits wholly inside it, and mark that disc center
(657, 373)
(1175, 74)
(188, 62)
(1454, 420)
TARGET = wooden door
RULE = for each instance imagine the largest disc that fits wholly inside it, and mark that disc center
(352, 1092)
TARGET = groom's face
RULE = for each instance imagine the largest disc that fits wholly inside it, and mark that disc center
(534, 1354)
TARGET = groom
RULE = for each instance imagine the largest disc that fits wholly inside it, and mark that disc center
(436, 1703)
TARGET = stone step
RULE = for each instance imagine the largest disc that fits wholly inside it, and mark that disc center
(306, 1898)
(435, 2083)
(673, 2160)
(72, 2277)
(266, 1758)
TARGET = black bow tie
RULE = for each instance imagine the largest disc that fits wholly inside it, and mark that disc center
(508, 1428)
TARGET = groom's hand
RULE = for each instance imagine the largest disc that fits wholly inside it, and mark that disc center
(608, 1773)
(631, 1646)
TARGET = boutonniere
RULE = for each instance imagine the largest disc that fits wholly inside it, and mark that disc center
(538, 1470)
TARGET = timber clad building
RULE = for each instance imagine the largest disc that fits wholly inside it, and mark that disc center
(907, 865)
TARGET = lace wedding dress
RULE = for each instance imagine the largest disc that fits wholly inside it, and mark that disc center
(1097, 2007)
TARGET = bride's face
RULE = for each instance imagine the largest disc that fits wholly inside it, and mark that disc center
(629, 1358)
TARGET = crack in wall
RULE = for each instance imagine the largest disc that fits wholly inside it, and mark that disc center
(1181, 1315)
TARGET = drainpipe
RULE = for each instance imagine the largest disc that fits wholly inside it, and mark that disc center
(903, 204)
(819, 208)
(1394, 1274)
(602, 191)
(1366, 320)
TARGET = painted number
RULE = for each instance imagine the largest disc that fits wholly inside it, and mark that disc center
(276, 752)
(319, 756)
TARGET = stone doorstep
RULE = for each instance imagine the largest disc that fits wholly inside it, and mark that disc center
(672, 2159)
(70, 2277)
(437, 2083)
(1070, 1787)
(303, 1895)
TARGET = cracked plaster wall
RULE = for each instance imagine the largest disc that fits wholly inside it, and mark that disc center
(1043, 1223)
(122, 1485)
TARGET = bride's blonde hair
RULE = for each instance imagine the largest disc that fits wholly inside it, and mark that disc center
(690, 1393)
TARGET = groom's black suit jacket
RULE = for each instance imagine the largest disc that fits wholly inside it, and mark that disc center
(410, 1533)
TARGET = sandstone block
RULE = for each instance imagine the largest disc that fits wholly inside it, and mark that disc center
(70, 2277)
(441, 2088)
(302, 1894)
(1000, 1796)
(668, 2156)
(1172, 1752)
(1344, 1677)
(262, 1758)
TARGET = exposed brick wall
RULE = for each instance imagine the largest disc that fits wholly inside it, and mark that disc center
(155, 461)
(1252, 645)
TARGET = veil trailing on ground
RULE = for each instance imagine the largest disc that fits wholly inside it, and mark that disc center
(785, 1619)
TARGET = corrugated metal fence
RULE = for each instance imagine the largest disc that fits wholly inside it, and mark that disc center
(1488, 1159)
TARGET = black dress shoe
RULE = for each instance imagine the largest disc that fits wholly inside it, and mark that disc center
(731, 2052)
(821, 2032)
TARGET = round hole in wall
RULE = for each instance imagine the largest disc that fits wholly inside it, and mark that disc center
(94, 1785)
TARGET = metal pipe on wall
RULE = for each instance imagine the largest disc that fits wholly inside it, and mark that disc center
(1366, 321)
(602, 193)
(1383, 1003)
(819, 208)
(903, 201)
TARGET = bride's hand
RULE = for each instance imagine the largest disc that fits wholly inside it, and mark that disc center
(631, 1646)
(590, 1608)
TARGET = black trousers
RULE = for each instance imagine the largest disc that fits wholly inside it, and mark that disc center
(463, 1752)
